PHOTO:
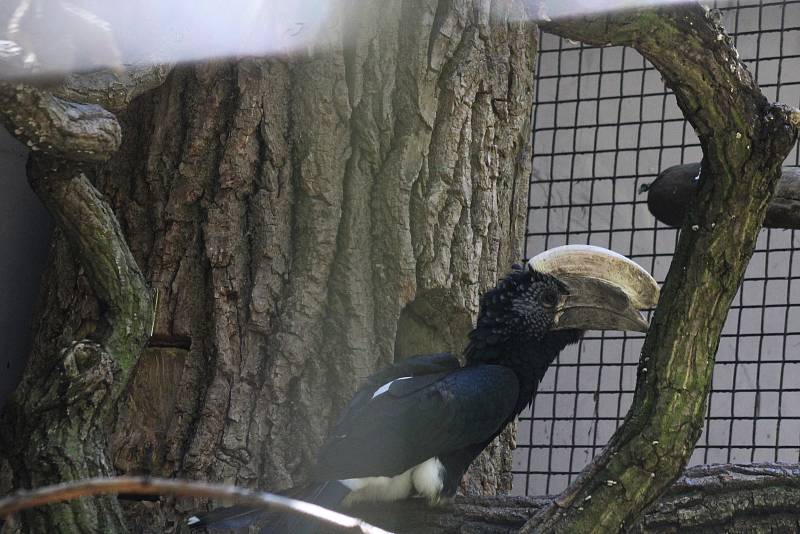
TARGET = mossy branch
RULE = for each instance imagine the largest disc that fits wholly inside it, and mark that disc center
(54, 428)
(744, 141)
(96, 238)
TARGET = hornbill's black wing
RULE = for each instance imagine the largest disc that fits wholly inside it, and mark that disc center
(418, 417)
(425, 364)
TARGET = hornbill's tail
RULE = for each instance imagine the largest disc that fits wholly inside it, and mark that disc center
(326, 494)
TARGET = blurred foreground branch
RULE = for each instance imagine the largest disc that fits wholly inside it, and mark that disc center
(23, 500)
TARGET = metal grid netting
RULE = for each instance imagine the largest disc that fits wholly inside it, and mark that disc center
(604, 125)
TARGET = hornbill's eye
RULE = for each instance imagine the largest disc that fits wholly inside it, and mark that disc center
(549, 299)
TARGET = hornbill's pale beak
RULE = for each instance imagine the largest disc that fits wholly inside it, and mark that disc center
(605, 290)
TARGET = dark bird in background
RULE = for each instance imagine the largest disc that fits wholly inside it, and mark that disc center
(414, 427)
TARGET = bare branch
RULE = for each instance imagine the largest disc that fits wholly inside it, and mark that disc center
(22, 500)
(707, 498)
(96, 237)
(45, 123)
(69, 403)
(112, 89)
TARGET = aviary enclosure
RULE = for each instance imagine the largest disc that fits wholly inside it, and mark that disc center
(605, 126)
(241, 243)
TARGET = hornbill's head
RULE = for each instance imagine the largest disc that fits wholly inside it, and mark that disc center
(562, 292)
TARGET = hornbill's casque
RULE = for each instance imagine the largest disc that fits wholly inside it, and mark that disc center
(414, 427)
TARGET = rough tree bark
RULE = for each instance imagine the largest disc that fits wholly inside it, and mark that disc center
(305, 221)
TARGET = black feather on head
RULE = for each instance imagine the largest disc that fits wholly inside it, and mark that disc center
(518, 310)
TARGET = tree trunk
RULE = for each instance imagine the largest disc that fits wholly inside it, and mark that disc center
(303, 222)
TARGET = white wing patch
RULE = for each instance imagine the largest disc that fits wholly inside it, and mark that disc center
(384, 388)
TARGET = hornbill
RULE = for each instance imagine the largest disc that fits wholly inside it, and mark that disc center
(414, 427)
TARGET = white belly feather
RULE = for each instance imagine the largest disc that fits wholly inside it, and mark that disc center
(427, 479)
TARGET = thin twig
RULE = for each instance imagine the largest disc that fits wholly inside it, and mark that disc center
(25, 499)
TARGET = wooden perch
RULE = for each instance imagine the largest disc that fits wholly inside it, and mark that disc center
(669, 196)
(707, 498)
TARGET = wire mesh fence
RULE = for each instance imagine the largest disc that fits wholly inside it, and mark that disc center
(604, 126)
